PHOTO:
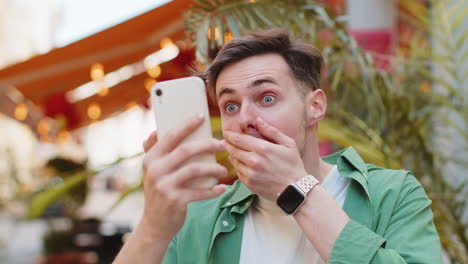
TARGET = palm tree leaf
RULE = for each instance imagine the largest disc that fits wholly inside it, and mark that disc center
(457, 14)
(123, 196)
(417, 9)
(341, 135)
(337, 76)
(204, 4)
(202, 42)
(461, 41)
(43, 200)
(232, 25)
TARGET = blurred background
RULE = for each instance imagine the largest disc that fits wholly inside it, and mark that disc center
(74, 110)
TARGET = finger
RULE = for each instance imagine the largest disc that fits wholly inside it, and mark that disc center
(174, 136)
(272, 133)
(242, 168)
(188, 150)
(191, 195)
(245, 142)
(235, 163)
(150, 141)
(246, 157)
(196, 170)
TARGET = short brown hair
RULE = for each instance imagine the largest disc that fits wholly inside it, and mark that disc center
(303, 59)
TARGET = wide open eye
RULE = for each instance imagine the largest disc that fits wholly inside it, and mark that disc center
(231, 108)
(268, 99)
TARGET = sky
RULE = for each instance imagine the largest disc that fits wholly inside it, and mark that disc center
(82, 18)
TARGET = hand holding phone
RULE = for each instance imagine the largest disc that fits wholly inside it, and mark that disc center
(166, 175)
(173, 103)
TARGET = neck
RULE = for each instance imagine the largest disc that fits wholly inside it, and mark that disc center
(311, 157)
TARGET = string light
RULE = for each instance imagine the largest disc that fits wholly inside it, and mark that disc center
(154, 72)
(216, 31)
(94, 111)
(103, 91)
(168, 52)
(131, 105)
(208, 33)
(149, 83)
(165, 43)
(97, 71)
(228, 37)
(21, 112)
(63, 136)
(43, 127)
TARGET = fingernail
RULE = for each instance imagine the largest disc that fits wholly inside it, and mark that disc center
(200, 116)
(220, 186)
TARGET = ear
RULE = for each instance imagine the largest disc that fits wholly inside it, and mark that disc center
(316, 104)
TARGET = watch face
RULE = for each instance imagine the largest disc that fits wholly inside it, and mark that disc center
(290, 199)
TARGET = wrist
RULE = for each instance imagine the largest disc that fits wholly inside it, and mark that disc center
(294, 195)
(312, 200)
(150, 232)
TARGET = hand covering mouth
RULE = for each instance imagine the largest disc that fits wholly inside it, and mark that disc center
(256, 134)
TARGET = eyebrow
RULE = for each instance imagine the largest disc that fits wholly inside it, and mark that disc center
(255, 83)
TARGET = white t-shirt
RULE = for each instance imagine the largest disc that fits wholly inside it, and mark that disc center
(270, 236)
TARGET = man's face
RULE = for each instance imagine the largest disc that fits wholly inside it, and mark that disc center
(261, 86)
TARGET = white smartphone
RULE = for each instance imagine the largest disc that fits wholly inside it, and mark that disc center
(176, 101)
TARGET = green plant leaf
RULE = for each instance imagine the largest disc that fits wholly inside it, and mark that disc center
(232, 25)
(124, 195)
(461, 41)
(204, 4)
(43, 200)
(202, 42)
(458, 15)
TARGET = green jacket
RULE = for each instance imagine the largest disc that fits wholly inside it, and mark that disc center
(390, 220)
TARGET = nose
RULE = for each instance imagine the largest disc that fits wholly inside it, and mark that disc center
(248, 116)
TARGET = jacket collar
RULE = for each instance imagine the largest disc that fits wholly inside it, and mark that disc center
(357, 203)
(241, 195)
(350, 165)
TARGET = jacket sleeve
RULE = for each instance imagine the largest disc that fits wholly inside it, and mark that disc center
(171, 253)
(410, 237)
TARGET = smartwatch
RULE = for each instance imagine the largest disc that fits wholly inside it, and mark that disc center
(291, 199)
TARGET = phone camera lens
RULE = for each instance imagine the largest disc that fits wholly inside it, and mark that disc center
(158, 92)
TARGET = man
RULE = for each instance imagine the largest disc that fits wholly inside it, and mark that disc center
(342, 210)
